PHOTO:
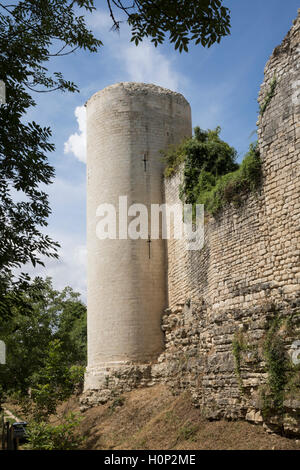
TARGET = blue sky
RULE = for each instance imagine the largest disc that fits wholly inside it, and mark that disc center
(220, 83)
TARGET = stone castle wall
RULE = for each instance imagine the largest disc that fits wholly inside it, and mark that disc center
(254, 249)
(247, 272)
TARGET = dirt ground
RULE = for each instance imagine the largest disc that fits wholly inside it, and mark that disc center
(152, 418)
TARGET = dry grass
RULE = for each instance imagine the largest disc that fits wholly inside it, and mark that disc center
(152, 418)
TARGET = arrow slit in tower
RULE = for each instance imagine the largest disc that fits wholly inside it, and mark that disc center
(145, 160)
(149, 246)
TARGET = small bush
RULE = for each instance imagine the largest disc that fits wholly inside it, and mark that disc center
(174, 157)
(76, 377)
(204, 151)
(211, 175)
(283, 376)
(43, 436)
(231, 187)
(55, 383)
(238, 346)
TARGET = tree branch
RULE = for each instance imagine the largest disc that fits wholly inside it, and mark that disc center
(42, 91)
(116, 24)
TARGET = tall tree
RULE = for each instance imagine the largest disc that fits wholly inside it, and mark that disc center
(46, 316)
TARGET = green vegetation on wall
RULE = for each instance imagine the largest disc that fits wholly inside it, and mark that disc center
(283, 375)
(276, 367)
(211, 175)
(238, 346)
(269, 96)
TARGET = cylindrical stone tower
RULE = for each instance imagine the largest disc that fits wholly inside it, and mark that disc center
(128, 124)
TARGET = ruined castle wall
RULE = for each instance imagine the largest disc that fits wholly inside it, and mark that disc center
(252, 252)
(247, 271)
(255, 248)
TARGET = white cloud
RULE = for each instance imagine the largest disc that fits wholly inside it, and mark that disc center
(142, 63)
(147, 64)
(76, 143)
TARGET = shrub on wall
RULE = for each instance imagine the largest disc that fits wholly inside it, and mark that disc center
(211, 175)
(231, 187)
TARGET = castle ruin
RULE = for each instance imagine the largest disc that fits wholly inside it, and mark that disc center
(214, 306)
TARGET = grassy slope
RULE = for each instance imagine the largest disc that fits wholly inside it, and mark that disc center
(153, 419)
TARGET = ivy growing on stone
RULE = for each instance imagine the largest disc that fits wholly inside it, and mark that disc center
(283, 376)
(269, 96)
(276, 367)
(238, 346)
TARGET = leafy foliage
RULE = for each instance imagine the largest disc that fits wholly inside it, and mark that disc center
(55, 382)
(29, 30)
(207, 158)
(283, 375)
(231, 187)
(12, 294)
(238, 346)
(276, 362)
(52, 330)
(44, 436)
(205, 153)
(174, 157)
(210, 174)
(200, 21)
